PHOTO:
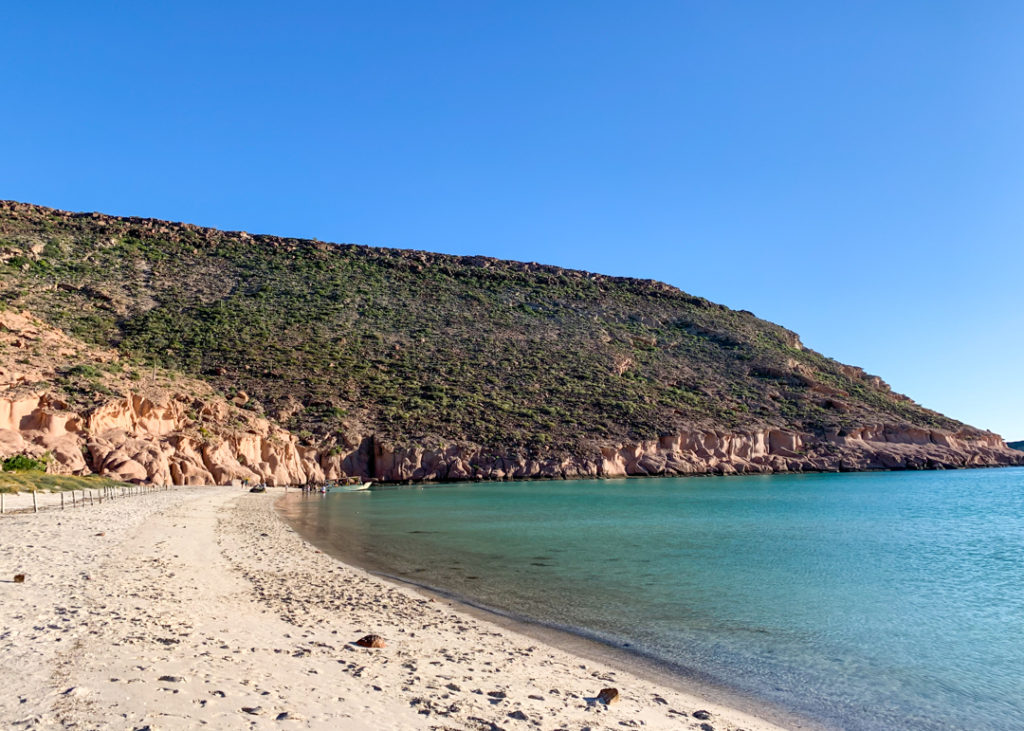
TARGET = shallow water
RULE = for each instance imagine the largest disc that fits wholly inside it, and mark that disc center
(865, 601)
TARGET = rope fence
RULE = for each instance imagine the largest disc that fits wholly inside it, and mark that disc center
(80, 497)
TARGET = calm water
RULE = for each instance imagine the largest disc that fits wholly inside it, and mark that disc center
(866, 601)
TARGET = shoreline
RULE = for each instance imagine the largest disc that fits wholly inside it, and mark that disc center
(200, 606)
(578, 642)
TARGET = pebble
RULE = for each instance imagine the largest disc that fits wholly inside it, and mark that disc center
(375, 641)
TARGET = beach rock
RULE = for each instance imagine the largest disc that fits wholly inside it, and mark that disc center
(252, 710)
(171, 679)
(519, 716)
(706, 727)
(702, 715)
(608, 696)
(374, 641)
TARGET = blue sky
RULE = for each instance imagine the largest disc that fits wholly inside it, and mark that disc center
(852, 171)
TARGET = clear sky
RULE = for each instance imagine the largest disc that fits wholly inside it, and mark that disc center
(851, 170)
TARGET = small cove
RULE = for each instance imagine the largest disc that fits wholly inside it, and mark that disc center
(863, 601)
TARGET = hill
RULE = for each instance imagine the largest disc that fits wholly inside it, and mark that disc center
(1016, 445)
(417, 365)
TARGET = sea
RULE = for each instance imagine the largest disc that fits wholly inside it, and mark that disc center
(886, 600)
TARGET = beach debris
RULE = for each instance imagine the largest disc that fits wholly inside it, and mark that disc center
(519, 716)
(702, 715)
(608, 696)
(19, 578)
(375, 641)
(252, 710)
(171, 679)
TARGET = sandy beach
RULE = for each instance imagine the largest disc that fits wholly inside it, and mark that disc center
(200, 607)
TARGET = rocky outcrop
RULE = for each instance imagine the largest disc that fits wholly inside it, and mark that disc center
(176, 440)
(183, 440)
(877, 447)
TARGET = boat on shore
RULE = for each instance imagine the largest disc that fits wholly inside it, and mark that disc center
(353, 484)
(354, 487)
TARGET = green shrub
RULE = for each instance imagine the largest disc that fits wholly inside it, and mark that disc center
(24, 463)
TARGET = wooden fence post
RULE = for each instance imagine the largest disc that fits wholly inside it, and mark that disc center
(35, 508)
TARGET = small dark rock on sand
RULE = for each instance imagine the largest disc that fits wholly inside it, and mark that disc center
(375, 641)
(519, 716)
(252, 710)
(171, 679)
(702, 715)
(19, 578)
(608, 696)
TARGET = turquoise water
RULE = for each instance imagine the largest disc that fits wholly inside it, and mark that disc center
(864, 601)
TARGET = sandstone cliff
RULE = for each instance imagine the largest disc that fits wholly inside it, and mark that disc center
(140, 440)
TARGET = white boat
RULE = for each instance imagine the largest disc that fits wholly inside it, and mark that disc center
(352, 487)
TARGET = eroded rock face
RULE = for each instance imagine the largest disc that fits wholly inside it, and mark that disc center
(138, 439)
(182, 440)
(877, 447)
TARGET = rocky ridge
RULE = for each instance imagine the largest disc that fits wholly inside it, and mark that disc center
(194, 437)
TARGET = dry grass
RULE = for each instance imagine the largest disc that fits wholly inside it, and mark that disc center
(15, 482)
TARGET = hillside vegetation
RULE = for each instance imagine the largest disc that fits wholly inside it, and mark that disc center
(335, 339)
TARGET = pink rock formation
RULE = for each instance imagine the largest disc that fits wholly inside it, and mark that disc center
(137, 439)
(182, 440)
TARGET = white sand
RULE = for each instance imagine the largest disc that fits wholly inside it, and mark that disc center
(180, 609)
